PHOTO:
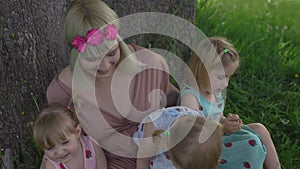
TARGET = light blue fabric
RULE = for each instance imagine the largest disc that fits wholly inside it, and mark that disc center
(242, 149)
(163, 119)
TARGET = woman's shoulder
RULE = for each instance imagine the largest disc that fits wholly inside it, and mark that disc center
(147, 56)
(65, 76)
(59, 89)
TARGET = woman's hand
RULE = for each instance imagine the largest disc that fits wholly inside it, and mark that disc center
(232, 123)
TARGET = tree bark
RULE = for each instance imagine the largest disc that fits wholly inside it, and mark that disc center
(32, 50)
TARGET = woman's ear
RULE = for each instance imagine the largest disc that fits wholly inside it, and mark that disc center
(78, 130)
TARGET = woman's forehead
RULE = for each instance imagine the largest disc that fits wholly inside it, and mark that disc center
(114, 47)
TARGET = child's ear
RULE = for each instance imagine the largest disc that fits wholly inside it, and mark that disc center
(78, 130)
(166, 145)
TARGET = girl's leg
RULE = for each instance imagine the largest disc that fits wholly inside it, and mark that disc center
(272, 160)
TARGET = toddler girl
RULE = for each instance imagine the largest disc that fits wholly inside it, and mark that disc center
(170, 138)
(214, 62)
(58, 132)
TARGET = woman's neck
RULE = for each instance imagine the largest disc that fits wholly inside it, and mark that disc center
(103, 82)
(106, 80)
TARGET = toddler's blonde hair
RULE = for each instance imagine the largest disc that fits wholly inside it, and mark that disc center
(53, 125)
(214, 52)
(183, 140)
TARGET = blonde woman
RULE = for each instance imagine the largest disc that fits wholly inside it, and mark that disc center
(112, 85)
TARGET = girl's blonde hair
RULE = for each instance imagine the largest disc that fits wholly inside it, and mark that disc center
(84, 15)
(212, 53)
(53, 125)
(188, 152)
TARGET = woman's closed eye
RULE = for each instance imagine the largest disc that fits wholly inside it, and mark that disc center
(91, 59)
(112, 53)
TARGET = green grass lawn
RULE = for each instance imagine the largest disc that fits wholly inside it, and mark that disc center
(266, 88)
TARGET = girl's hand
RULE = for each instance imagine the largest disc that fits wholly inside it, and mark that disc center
(232, 123)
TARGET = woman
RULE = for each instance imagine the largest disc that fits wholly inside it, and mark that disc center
(112, 85)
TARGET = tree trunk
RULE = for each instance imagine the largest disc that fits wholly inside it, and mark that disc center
(33, 50)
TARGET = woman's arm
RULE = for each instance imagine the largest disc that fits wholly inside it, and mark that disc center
(172, 95)
(142, 163)
(146, 148)
(101, 162)
(59, 90)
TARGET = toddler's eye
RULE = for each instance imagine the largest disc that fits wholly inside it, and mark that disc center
(221, 77)
(49, 149)
(65, 142)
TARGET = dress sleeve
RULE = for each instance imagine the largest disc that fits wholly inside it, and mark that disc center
(154, 77)
(187, 89)
(57, 92)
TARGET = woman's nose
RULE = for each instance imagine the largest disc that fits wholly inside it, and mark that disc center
(105, 64)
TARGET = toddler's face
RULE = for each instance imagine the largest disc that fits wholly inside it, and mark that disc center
(219, 78)
(66, 149)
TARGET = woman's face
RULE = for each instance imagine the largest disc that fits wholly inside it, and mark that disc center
(102, 67)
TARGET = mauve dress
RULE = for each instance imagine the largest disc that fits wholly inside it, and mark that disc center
(145, 82)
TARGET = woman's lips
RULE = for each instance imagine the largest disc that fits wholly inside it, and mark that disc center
(102, 72)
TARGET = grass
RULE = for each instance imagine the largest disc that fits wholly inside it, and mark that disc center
(266, 88)
(31, 158)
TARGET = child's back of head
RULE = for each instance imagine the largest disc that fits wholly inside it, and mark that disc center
(184, 146)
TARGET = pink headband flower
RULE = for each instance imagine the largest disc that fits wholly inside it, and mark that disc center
(79, 43)
(95, 37)
(111, 32)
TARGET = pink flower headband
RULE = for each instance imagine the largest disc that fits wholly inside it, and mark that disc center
(95, 37)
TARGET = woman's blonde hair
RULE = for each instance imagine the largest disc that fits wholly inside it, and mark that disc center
(53, 125)
(214, 52)
(84, 15)
(186, 150)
